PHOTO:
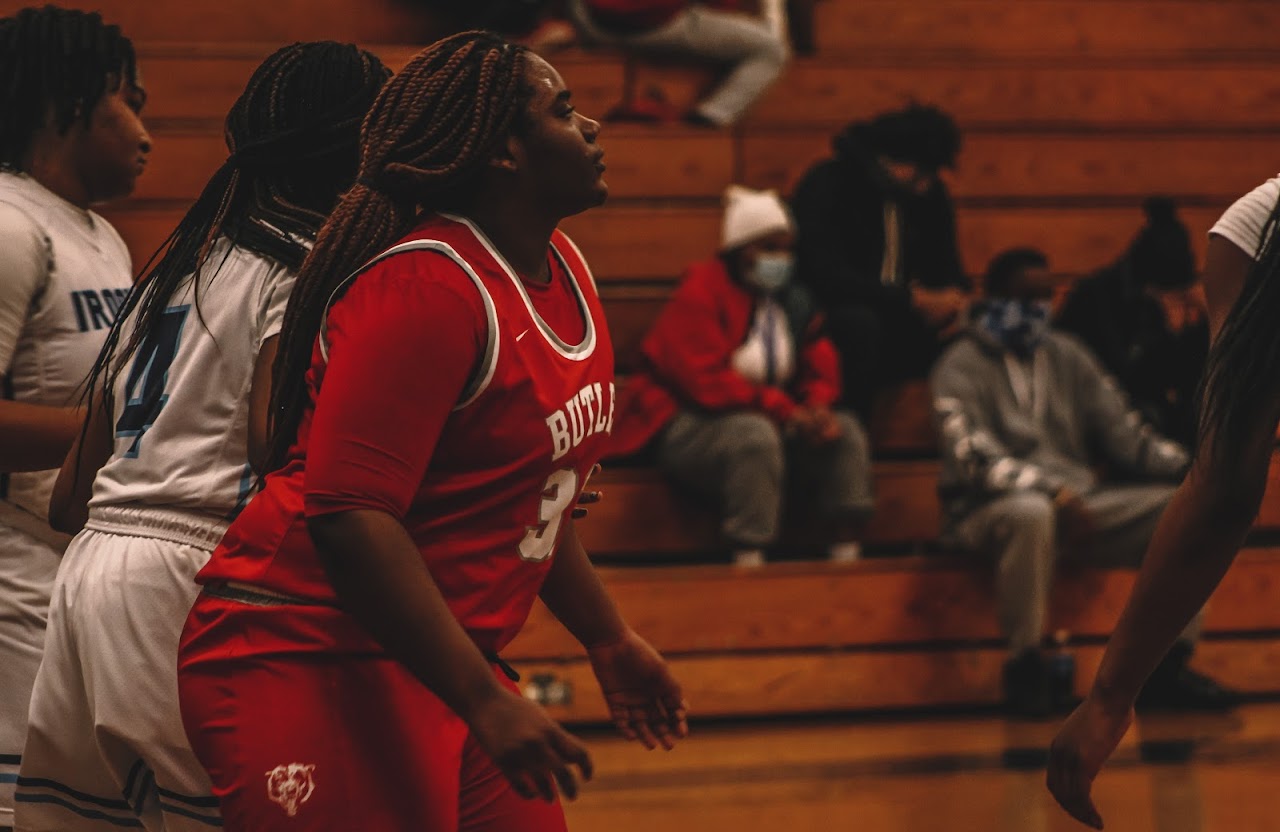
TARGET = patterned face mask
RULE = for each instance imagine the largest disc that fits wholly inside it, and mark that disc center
(1020, 325)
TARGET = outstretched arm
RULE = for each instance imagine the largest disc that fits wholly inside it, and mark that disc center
(1193, 546)
(645, 702)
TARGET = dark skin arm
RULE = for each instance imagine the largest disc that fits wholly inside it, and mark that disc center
(260, 405)
(645, 702)
(1195, 543)
(34, 437)
(69, 503)
(381, 580)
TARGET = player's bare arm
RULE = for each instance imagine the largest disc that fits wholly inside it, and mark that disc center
(1194, 545)
(90, 450)
(34, 437)
(260, 405)
(645, 701)
(381, 579)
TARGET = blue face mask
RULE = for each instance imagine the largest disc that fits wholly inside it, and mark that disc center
(771, 272)
(1019, 325)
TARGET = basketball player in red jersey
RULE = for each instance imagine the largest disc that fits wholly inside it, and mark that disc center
(443, 386)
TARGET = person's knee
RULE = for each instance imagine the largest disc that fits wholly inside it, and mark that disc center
(1026, 516)
(853, 439)
(754, 436)
(775, 51)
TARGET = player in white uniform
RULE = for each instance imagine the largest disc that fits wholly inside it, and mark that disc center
(177, 416)
(70, 137)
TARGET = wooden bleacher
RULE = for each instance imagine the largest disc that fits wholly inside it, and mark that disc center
(1072, 110)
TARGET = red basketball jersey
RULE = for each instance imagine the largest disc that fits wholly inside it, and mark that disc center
(506, 470)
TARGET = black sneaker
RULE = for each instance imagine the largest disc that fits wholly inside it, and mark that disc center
(1061, 668)
(1026, 686)
(1174, 686)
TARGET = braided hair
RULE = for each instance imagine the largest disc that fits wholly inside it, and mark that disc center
(293, 135)
(1244, 361)
(56, 63)
(425, 140)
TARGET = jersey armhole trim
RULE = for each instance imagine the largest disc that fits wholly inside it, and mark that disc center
(488, 362)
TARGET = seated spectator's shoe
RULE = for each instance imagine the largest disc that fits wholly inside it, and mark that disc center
(1061, 671)
(845, 552)
(748, 558)
(693, 118)
(1174, 686)
(1026, 686)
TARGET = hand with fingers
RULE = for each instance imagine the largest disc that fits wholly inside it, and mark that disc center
(1085, 742)
(585, 497)
(644, 699)
(531, 750)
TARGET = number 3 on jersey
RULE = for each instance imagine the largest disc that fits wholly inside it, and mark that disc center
(144, 386)
(560, 489)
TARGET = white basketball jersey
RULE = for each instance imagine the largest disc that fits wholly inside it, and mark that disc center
(181, 403)
(71, 270)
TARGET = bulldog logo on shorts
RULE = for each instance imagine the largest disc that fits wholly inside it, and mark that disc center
(291, 785)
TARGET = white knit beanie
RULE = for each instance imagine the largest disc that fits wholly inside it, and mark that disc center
(750, 215)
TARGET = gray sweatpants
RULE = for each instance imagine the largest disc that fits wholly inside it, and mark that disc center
(1020, 532)
(757, 50)
(740, 460)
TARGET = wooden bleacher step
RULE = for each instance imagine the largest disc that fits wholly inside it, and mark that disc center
(794, 638)
(1147, 29)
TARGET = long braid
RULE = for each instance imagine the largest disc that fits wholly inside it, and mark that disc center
(429, 134)
(293, 137)
(57, 62)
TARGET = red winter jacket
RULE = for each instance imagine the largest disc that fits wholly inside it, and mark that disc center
(686, 355)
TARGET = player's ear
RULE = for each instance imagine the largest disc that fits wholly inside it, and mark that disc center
(509, 156)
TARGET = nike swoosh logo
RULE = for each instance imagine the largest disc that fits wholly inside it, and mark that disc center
(521, 335)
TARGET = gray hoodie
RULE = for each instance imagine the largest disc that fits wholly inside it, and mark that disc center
(1006, 424)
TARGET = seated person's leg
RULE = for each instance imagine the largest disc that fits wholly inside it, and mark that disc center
(1019, 532)
(757, 53)
(1124, 519)
(858, 335)
(836, 476)
(737, 461)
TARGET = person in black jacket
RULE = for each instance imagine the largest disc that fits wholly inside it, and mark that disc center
(877, 246)
(1145, 317)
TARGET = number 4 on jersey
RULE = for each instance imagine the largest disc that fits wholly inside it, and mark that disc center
(560, 490)
(149, 375)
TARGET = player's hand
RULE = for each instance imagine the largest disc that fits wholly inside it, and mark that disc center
(530, 749)
(645, 701)
(1089, 736)
(586, 498)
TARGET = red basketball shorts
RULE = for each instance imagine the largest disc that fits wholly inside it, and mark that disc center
(305, 741)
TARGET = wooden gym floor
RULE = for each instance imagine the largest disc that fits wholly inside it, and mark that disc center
(1183, 773)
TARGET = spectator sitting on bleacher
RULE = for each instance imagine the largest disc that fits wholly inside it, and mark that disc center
(876, 243)
(1019, 406)
(736, 390)
(1146, 319)
(755, 46)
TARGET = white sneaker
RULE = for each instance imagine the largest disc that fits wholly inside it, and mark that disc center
(748, 558)
(845, 552)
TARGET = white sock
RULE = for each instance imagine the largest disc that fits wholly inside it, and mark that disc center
(845, 552)
(750, 558)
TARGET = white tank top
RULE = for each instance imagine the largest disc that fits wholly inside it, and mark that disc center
(181, 403)
(65, 273)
